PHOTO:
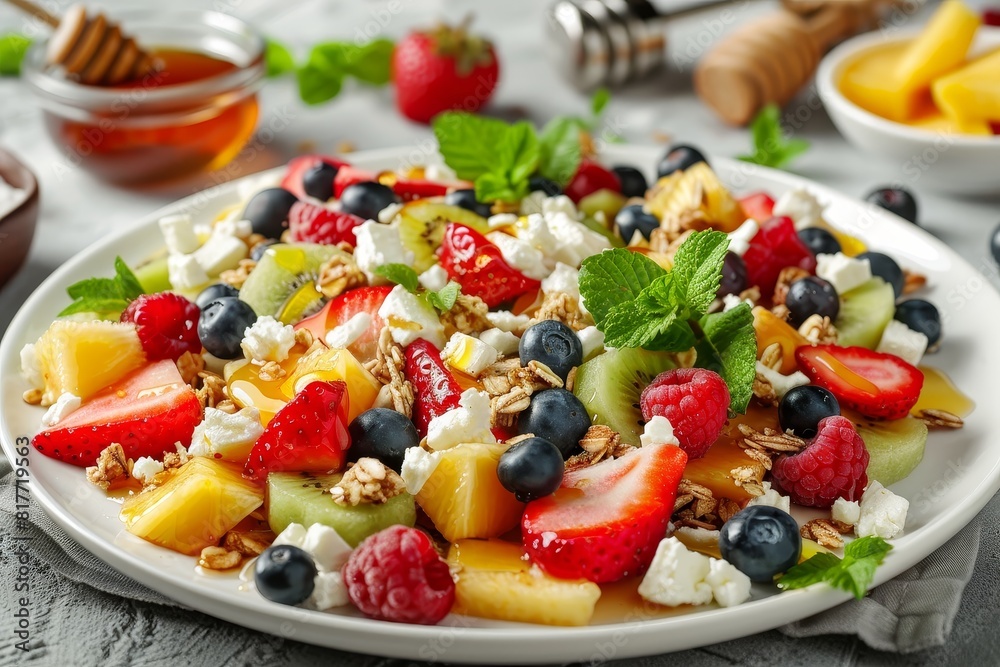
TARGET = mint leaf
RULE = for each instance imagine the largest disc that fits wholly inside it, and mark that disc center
(468, 143)
(853, 573)
(401, 274)
(560, 150)
(330, 63)
(492, 186)
(104, 295)
(278, 59)
(319, 81)
(771, 146)
(615, 277)
(599, 101)
(729, 347)
(698, 269)
(12, 50)
(444, 299)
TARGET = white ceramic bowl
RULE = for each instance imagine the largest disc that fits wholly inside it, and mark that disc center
(958, 164)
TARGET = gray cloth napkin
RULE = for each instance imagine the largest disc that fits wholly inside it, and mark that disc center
(82, 611)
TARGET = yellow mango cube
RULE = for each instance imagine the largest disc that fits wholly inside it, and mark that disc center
(334, 364)
(971, 95)
(940, 48)
(871, 82)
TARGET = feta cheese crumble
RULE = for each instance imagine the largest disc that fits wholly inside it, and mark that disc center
(658, 431)
(184, 272)
(31, 366)
(678, 576)
(179, 234)
(228, 436)
(883, 513)
(329, 551)
(145, 469)
(267, 340)
(389, 213)
(507, 321)
(470, 422)
(772, 498)
(344, 334)
(502, 341)
(220, 253)
(64, 405)
(468, 354)
(379, 244)
(801, 206)
(418, 466)
(519, 254)
(902, 341)
(434, 278)
(592, 340)
(564, 279)
(409, 318)
(846, 511)
(843, 272)
(782, 384)
(739, 240)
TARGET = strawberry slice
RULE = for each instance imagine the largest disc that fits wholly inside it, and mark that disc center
(589, 178)
(351, 176)
(477, 265)
(759, 206)
(317, 224)
(410, 189)
(344, 307)
(774, 247)
(297, 168)
(146, 412)
(878, 385)
(604, 522)
(436, 390)
(309, 434)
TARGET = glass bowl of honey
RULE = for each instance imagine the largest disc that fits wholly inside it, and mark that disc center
(193, 113)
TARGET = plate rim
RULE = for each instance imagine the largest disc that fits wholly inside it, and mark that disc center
(363, 635)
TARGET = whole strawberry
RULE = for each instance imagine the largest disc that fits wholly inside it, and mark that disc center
(441, 69)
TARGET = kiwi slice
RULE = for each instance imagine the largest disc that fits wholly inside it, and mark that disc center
(153, 276)
(896, 447)
(283, 284)
(606, 201)
(421, 228)
(302, 497)
(609, 386)
(864, 312)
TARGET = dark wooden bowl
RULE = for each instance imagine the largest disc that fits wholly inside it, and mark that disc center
(17, 227)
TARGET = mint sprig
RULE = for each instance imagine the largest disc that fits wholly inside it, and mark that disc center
(636, 303)
(104, 296)
(401, 274)
(278, 59)
(12, 50)
(329, 64)
(771, 146)
(853, 573)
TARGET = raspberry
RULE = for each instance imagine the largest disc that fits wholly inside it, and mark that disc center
(397, 575)
(695, 400)
(831, 466)
(167, 324)
(774, 247)
(317, 224)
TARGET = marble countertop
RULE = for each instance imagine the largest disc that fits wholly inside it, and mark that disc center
(76, 209)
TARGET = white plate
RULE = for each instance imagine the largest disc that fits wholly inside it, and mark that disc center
(960, 472)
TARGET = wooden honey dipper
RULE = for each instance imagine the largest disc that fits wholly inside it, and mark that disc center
(770, 59)
(92, 50)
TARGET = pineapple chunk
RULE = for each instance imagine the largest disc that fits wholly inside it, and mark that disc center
(463, 496)
(940, 48)
(971, 96)
(772, 329)
(331, 364)
(84, 357)
(696, 192)
(194, 508)
(493, 580)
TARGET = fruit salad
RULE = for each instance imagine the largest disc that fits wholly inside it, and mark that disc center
(504, 393)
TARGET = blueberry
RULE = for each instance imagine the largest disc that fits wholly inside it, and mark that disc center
(995, 244)
(552, 343)
(558, 416)
(285, 574)
(819, 241)
(761, 541)
(922, 316)
(365, 200)
(318, 181)
(802, 408)
(633, 182)
(679, 158)
(267, 211)
(258, 250)
(886, 268)
(734, 275)
(213, 292)
(530, 469)
(222, 324)
(467, 199)
(895, 200)
(633, 218)
(546, 185)
(811, 296)
(383, 434)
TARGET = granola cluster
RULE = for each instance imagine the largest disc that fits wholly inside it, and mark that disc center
(387, 367)
(511, 385)
(696, 507)
(564, 308)
(467, 316)
(826, 532)
(112, 466)
(598, 443)
(339, 274)
(369, 482)
(236, 546)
